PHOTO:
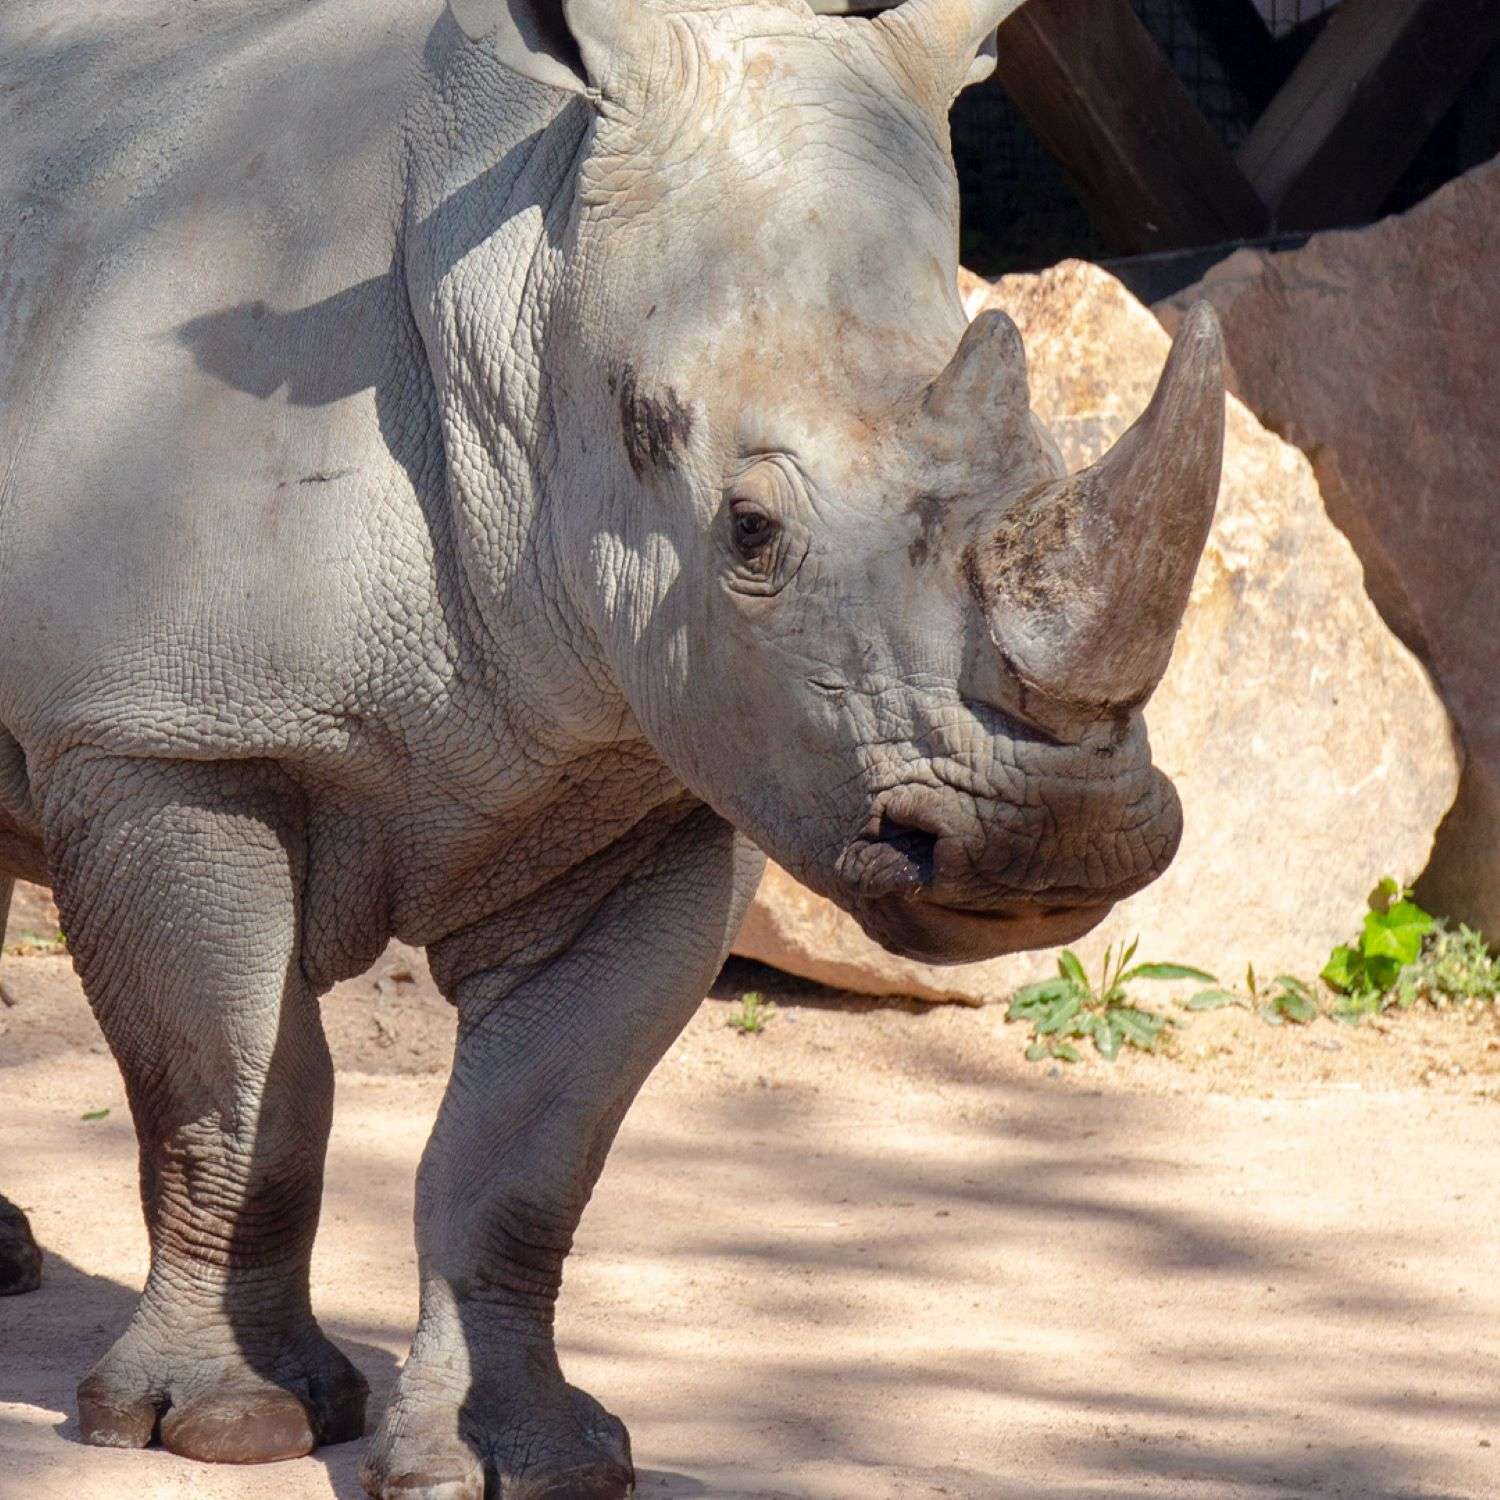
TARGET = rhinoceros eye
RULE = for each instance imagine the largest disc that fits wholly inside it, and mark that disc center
(762, 534)
(754, 531)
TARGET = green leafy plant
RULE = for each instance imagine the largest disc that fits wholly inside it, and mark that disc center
(753, 1014)
(95, 1114)
(1391, 939)
(1070, 1008)
(1404, 955)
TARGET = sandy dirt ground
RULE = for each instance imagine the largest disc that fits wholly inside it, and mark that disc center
(872, 1252)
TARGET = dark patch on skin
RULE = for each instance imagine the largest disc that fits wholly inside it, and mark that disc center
(654, 427)
(928, 509)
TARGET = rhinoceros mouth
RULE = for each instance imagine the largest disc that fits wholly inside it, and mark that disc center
(937, 933)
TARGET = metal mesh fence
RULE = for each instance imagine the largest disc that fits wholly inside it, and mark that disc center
(1018, 208)
(1283, 16)
(1194, 59)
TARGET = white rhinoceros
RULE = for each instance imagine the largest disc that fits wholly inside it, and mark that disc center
(479, 477)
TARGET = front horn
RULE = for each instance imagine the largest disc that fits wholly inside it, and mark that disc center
(1086, 579)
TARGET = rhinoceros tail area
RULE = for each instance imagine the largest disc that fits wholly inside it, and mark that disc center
(20, 1259)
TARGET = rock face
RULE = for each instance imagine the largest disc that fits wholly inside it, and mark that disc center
(1310, 749)
(1377, 352)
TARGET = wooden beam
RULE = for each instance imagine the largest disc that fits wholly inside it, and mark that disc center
(1105, 101)
(1359, 106)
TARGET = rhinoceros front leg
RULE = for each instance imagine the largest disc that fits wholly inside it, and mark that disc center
(20, 1259)
(545, 1068)
(179, 886)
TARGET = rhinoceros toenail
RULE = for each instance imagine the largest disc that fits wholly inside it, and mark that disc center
(252, 1430)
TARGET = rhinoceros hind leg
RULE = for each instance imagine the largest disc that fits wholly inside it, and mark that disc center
(180, 886)
(20, 1259)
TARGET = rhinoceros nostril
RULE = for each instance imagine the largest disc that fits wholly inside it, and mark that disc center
(916, 847)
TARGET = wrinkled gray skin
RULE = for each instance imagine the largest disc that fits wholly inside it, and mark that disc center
(482, 489)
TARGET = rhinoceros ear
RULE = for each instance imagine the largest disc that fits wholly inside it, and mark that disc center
(985, 59)
(566, 44)
(956, 37)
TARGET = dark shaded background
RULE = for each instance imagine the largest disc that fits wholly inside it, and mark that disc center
(1019, 211)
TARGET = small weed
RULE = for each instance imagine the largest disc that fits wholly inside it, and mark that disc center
(1287, 999)
(753, 1016)
(95, 1114)
(37, 944)
(1070, 1008)
(1457, 966)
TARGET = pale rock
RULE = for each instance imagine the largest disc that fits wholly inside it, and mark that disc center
(1377, 352)
(1310, 749)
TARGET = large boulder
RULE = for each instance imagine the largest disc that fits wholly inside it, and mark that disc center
(1377, 352)
(1311, 751)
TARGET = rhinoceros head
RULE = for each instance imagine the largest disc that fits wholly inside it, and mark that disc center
(833, 560)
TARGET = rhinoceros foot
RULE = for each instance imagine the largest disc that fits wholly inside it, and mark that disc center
(20, 1260)
(536, 1447)
(218, 1408)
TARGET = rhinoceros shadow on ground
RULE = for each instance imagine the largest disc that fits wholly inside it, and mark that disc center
(1025, 1166)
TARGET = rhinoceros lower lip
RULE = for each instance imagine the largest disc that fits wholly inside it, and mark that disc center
(934, 932)
(1021, 911)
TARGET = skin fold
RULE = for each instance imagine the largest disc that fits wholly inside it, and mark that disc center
(481, 478)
